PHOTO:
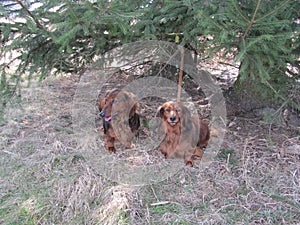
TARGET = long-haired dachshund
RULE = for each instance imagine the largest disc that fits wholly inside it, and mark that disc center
(185, 136)
(118, 110)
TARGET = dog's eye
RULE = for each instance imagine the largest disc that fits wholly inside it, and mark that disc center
(113, 101)
(168, 110)
(178, 110)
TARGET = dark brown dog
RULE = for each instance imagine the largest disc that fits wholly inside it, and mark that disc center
(118, 110)
(185, 136)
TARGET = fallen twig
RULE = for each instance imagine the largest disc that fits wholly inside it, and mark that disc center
(160, 203)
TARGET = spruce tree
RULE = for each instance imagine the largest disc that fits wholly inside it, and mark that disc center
(47, 37)
(262, 35)
(66, 35)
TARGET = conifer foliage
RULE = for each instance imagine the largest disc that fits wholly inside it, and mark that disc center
(264, 37)
(43, 37)
(65, 35)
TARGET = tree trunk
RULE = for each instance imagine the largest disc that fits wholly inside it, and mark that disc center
(247, 95)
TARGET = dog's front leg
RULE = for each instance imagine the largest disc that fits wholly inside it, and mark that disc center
(164, 151)
(109, 143)
(197, 153)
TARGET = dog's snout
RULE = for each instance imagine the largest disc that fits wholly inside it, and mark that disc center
(102, 113)
(173, 118)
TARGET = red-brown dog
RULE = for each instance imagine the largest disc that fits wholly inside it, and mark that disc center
(118, 110)
(185, 136)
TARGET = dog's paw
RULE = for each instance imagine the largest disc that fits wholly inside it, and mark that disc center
(166, 155)
(111, 149)
(131, 146)
(190, 163)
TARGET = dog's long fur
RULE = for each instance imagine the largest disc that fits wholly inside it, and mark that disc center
(118, 109)
(185, 136)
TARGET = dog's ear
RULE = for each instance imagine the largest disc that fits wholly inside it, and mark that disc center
(107, 92)
(160, 112)
(101, 100)
(134, 109)
(113, 93)
(184, 112)
(185, 116)
(101, 103)
(134, 123)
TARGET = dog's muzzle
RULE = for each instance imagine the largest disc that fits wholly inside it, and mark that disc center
(102, 114)
(173, 118)
(172, 121)
(107, 119)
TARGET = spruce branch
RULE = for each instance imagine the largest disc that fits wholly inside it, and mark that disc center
(72, 11)
(274, 90)
(239, 11)
(211, 20)
(106, 9)
(252, 21)
(30, 14)
(274, 11)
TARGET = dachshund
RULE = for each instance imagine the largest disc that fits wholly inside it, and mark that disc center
(118, 109)
(184, 136)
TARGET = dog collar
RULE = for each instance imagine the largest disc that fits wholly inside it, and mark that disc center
(107, 119)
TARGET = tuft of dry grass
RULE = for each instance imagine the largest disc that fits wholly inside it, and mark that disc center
(113, 208)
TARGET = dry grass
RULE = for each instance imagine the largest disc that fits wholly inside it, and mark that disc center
(45, 179)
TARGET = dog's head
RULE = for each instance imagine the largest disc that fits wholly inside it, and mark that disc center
(117, 102)
(173, 113)
(106, 103)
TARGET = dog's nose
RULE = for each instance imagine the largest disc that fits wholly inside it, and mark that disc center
(173, 118)
(102, 113)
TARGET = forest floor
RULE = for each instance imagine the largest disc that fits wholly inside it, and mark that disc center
(254, 177)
